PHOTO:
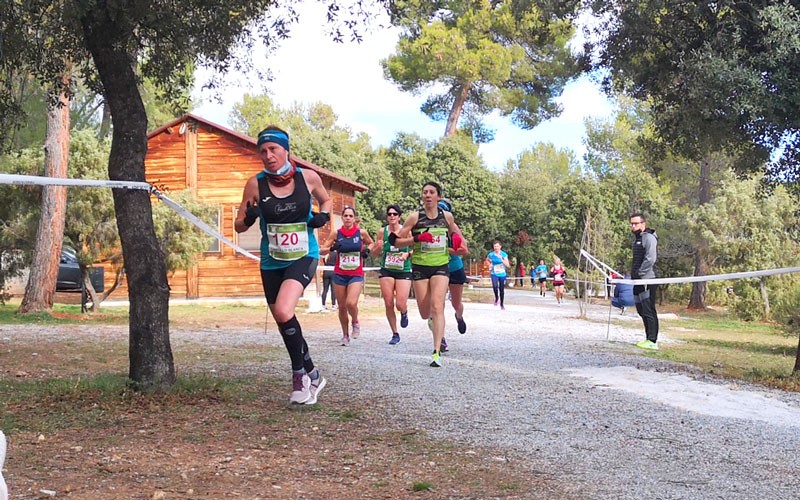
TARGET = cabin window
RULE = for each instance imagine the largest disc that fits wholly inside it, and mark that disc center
(216, 246)
(250, 240)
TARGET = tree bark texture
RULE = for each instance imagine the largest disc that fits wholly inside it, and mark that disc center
(697, 301)
(41, 286)
(150, 353)
(455, 111)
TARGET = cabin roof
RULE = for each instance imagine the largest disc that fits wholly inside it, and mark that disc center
(251, 141)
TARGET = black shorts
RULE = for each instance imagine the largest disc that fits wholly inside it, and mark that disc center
(427, 272)
(458, 277)
(300, 270)
(398, 275)
(542, 280)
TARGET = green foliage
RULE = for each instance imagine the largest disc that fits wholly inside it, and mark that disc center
(506, 56)
(526, 184)
(719, 75)
(748, 304)
(787, 307)
(19, 214)
(181, 241)
(91, 226)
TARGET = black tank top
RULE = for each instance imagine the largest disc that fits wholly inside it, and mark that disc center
(293, 208)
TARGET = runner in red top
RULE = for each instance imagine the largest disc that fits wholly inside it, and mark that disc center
(352, 243)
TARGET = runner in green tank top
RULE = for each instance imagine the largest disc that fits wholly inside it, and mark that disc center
(429, 229)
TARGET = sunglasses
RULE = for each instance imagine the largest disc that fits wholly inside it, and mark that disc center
(392, 214)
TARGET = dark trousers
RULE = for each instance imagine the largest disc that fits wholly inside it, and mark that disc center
(499, 288)
(327, 278)
(645, 298)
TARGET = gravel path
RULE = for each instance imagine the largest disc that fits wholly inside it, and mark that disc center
(598, 416)
(571, 397)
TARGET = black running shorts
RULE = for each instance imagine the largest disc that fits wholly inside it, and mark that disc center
(300, 270)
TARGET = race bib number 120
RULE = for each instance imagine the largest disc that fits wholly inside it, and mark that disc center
(288, 241)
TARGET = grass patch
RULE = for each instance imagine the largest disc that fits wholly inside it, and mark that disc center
(422, 486)
(62, 314)
(47, 405)
(723, 345)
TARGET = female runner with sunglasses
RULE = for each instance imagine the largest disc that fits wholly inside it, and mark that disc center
(395, 273)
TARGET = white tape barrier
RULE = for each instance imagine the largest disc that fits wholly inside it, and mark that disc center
(330, 268)
(202, 225)
(36, 180)
(697, 279)
(606, 270)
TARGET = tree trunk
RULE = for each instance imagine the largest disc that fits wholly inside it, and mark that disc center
(698, 298)
(455, 111)
(150, 353)
(41, 286)
(796, 368)
(697, 301)
(762, 283)
(94, 297)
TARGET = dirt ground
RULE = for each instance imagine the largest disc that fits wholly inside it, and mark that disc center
(76, 431)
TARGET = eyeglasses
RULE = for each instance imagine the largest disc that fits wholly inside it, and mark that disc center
(392, 214)
(636, 223)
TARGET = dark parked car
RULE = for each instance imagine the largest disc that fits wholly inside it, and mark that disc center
(69, 273)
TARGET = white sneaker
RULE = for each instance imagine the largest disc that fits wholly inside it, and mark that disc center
(356, 330)
(300, 388)
(315, 388)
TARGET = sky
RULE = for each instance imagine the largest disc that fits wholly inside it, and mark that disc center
(309, 67)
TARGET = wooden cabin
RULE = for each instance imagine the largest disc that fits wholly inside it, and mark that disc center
(215, 162)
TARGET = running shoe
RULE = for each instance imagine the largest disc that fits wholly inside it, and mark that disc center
(356, 330)
(462, 326)
(646, 344)
(443, 346)
(502, 308)
(437, 360)
(404, 319)
(345, 340)
(495, 303)
(315, 388)
(395, 339)
(300, 388)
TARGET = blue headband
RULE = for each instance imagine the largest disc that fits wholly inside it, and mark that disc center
(276, 136)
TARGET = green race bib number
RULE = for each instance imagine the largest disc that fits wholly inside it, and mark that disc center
(287, 241)
(349, 261)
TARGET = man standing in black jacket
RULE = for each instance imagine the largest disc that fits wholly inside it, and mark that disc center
(645, 253)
